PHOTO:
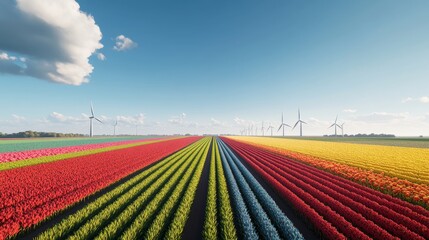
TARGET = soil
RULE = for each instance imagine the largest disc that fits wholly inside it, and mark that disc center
(195, 224)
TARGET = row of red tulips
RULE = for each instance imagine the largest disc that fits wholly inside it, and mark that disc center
(343, 205)
(374, 208)
(29, 195)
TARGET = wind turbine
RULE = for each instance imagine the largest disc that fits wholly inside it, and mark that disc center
(114, 128)
(270, 128)
(335, 125)
(283, 125)
(262, 128)
(256, 130)
(90, 120)
(342, 129)
(300, 123)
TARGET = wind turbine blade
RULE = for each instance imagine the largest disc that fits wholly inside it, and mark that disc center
(92, 110)
(98, 120)
(299, 115)
(336, 119)
(332, 125)
(303, 122)
(286, 125)
(295, 125)
(280, 127)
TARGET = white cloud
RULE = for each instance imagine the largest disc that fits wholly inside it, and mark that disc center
(61, 118)
(4, 56)
(17, 118)
(54, 37)
(58, 117)
(244, 122)
(217, 123)
(399, 123)
(408, 99)
(178, 119)
(192, 124)
(174, 120)
(123, 43)
(317, 122)
(138, 119)
(183, 122)
(132, 120)
(350, 110)
(382, 117)
(101, 56)
(241, 122)
(424, 99)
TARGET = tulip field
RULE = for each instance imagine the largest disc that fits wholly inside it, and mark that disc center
(402, 172)
(211, 188)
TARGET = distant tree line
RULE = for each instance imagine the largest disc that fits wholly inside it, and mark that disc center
(364, 135)
(32, 134)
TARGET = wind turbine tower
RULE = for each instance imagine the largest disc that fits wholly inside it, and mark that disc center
(335, 125)
(90, 120)
(270, 128)
(262, 128)
(283, 125)
(342, 129)
(114, 128)
(300, 122)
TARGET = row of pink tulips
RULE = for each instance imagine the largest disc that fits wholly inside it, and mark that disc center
(16, 156)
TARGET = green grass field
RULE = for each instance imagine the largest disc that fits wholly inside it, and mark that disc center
(15, 145)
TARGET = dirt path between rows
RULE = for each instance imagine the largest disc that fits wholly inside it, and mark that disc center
(195, 224)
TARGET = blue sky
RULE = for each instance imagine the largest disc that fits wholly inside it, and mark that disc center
(218, 66)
